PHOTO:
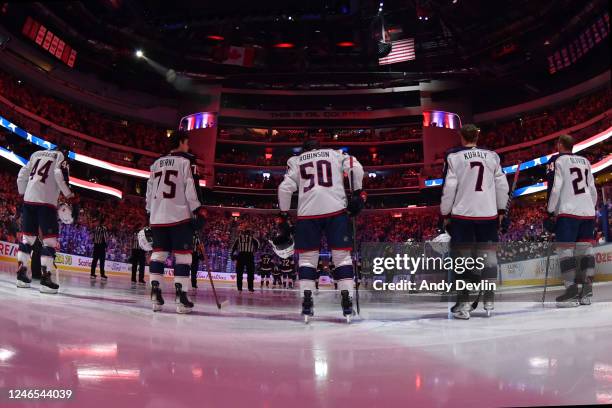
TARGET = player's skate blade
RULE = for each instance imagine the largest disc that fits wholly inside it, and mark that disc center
(586, 294)
(157, 300)
(347, 305)
(489, 302)
(22, 278)
(183, 304)
(307, 306)
(46, 284)
(569, 298)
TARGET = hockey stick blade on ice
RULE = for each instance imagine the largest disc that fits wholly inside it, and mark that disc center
(212, 285)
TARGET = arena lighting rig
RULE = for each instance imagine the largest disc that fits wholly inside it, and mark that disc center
(129, 171)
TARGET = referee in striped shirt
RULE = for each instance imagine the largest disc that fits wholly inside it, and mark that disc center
(243, 252)
(138, 259)
(100, 239)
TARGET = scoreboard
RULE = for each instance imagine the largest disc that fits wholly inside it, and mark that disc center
(49, 41)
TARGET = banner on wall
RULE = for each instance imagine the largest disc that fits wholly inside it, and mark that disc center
(533, 271)
(8, 253)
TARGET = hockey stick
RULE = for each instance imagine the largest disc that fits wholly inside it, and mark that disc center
(354, 257)
(212, 285)
(505, 225)
(549, 252)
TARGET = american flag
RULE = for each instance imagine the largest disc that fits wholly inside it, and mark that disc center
(401, 50)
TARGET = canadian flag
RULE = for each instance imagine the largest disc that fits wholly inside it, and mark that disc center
(240, 56)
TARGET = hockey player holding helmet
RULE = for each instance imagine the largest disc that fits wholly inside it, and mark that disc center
(317, 174)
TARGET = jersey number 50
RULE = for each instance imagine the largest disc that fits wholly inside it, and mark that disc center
(323, 174)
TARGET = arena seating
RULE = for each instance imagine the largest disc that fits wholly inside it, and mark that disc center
(126, 217)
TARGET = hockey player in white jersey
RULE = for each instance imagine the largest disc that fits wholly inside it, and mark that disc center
(173, 202)
(474, 198)
(572, 198)
(40, 183)
(317, 174)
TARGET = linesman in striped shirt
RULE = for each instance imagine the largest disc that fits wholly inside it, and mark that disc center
(100, 239)
(138, 259)
(243, 252)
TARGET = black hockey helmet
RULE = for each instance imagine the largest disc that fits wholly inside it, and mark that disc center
(311, 144)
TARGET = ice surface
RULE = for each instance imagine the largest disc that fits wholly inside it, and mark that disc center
(103, 342)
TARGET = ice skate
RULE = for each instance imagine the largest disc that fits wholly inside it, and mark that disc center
(183, 303)
(307, 306)
(462, 310)
(22, 277)
(92, 277)
(586, 294)
(157, 300)
(463, 307)
(46, 284)
(489, 302)
(570, 298)
(347, 305)
(103, 278)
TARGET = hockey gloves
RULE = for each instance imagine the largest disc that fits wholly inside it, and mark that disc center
(284, 227)
(550, 223)
(356, 203)
(199, 218)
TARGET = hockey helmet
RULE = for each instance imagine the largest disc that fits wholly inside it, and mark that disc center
(283, 249)
(145, 239)
(442, 238)
(441, 243)
(66, 213)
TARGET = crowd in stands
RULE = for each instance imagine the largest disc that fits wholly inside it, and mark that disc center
(79, 118)
(536, 125)
(125, 217)
(297, 136)
(391, 157)
(257, 180)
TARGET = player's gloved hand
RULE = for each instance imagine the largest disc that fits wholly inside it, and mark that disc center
(550, 223)
(199, 219)
(504, 222)
(356, 203)
(446, 224)
(283, 223)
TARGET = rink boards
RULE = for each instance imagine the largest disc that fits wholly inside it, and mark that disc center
(529, 272)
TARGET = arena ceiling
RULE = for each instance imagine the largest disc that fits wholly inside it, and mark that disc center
(479, 38)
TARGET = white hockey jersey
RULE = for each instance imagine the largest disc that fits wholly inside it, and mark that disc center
(475, 186)
(318, 176)
(571, 187)
(44, 177)
(171, 191)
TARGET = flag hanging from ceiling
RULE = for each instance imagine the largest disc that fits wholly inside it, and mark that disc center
(401, 50)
